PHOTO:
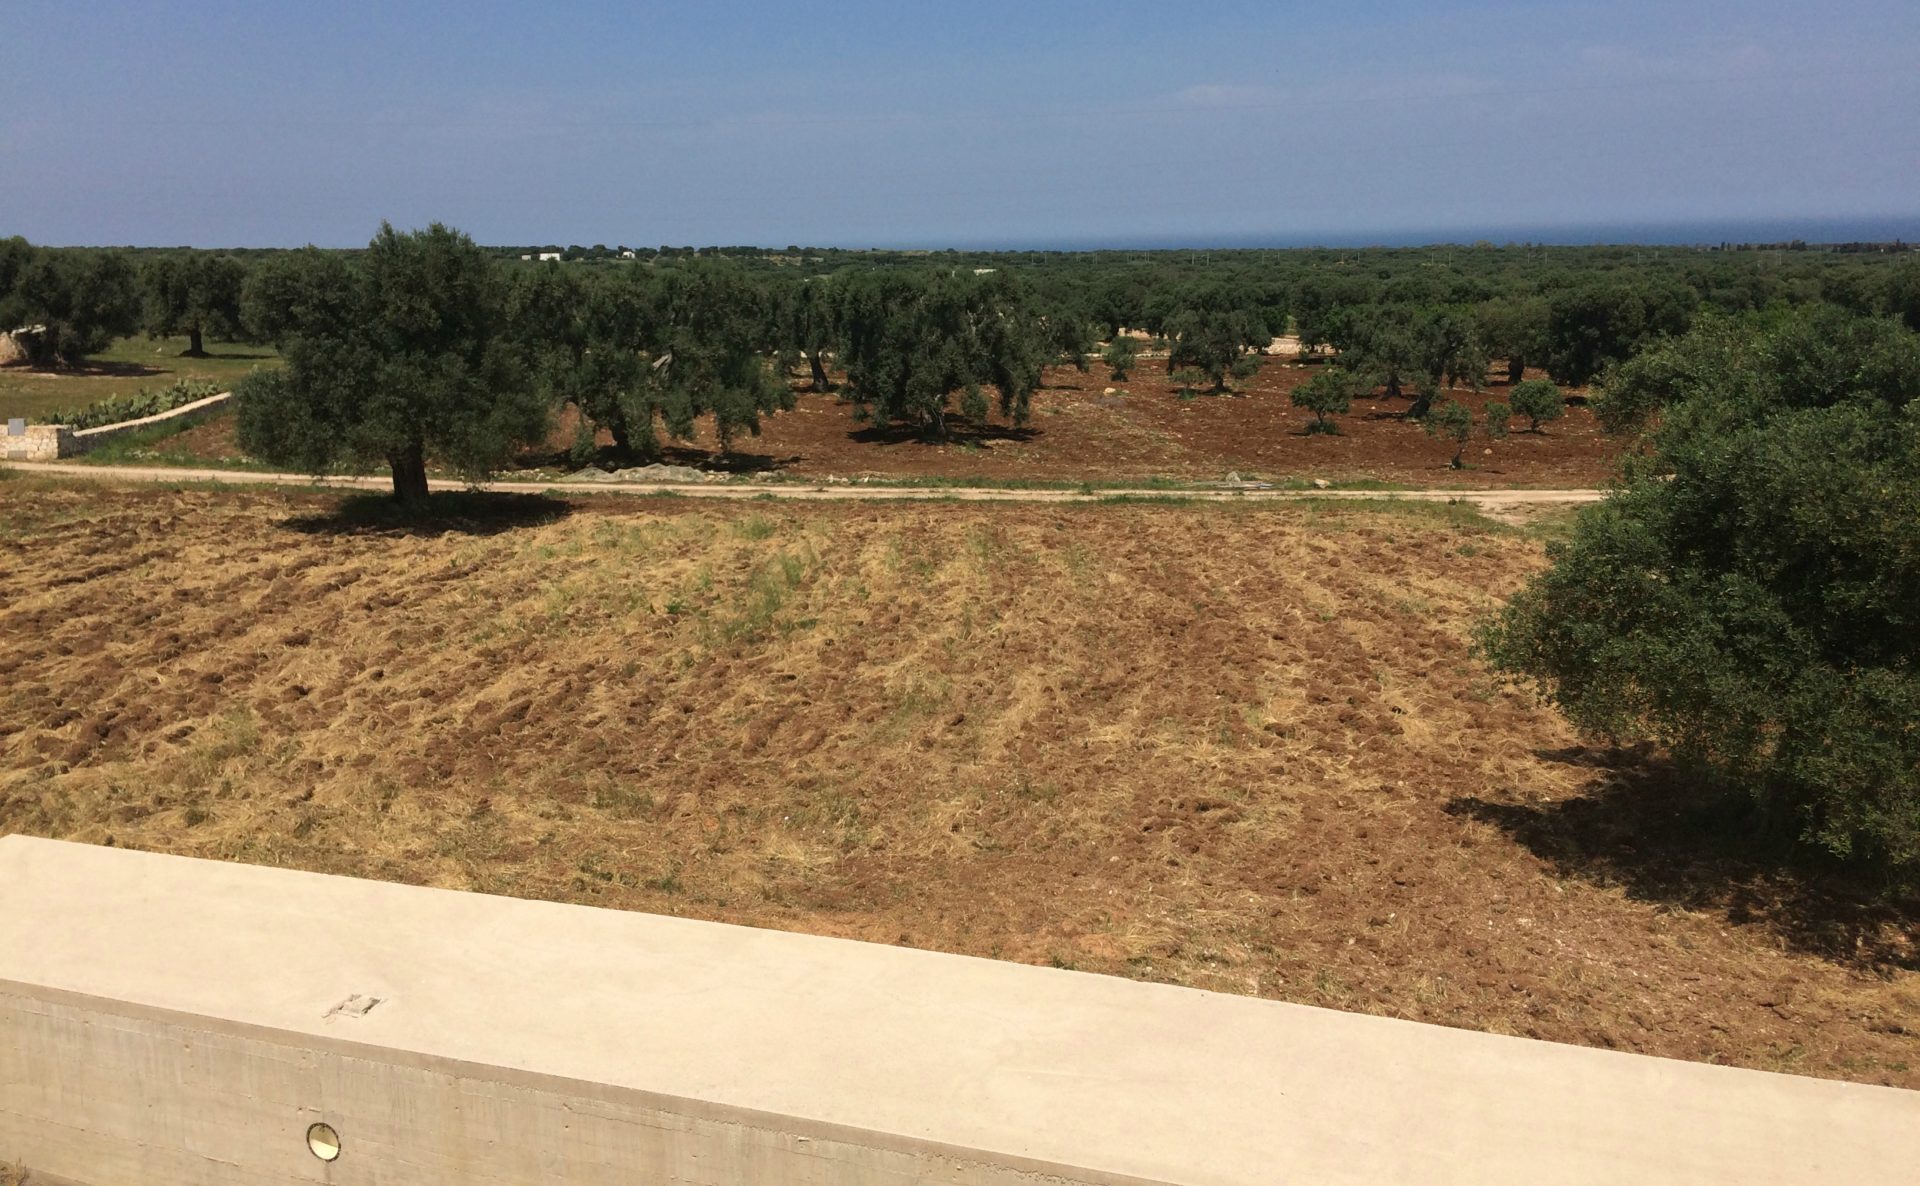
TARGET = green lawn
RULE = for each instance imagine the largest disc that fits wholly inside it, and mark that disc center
(123, 368)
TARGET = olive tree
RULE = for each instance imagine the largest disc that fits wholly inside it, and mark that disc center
(1452, 420)
(1382, 341)
(916, 340)
(76, 301)
(1748, 597)
(195, 293)
(1211, 329)
(718, 335)
(808, 312)
(1070, 334)
(401, 356)
(1328, 393)
(1539, 400)
(1514, 330)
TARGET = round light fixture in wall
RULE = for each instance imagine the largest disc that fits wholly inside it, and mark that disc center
(323, 1141)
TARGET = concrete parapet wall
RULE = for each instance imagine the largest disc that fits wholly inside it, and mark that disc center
(171, 1020)
(233, 1108)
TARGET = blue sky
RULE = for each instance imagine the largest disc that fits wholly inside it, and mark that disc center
(931, 124)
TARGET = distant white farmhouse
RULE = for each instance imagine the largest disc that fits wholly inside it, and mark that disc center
(547, 255)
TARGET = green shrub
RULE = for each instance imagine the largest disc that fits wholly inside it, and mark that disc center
(1187, 380)
(145, 402)
(1496, 417)
(1328, 393)
(1452, 421)
(1751, 596)
(1539, 400)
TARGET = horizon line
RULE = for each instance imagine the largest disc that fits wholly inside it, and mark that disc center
(1823, 231)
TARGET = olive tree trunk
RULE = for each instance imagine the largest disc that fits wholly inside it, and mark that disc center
(409, 475)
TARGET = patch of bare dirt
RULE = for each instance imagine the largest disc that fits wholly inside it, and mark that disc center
(1143, 428)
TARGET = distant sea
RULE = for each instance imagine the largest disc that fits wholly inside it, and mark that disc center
(1905, 228)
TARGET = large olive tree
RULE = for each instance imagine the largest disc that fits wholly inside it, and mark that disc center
(1751, 596)
(402, 356)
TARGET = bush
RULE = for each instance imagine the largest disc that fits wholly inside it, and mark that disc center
(1328, 393)
(1540, 401)
(145, 402)
(1120, 356)
(1496, 418)
(1452, 421)
(1749, 598)
(1187, 380)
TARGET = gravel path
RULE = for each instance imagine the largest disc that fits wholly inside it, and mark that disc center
(1501, 503)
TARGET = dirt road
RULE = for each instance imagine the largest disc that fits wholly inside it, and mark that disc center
(1501, 503)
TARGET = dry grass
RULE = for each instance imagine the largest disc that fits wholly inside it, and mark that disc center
(1239, 748)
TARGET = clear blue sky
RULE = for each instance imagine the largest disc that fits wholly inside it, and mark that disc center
(891, 122)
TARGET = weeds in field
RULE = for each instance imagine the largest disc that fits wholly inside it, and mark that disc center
(754, 527)
(767, 591)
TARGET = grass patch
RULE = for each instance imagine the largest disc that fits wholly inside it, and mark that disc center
(1556, 524)
(1158, 500)
(125, 367)
(1462, 515)
(755, 615)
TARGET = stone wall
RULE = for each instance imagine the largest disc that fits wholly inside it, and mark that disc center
(39, 442)
(180, 417)
(50, 442)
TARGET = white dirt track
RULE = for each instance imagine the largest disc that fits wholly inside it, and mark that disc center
(1500, 503)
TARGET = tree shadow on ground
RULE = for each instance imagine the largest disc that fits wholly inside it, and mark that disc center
(609, 458)
(461, 512)
(732, 462)
(1643, 825)
(964, 435)
(90, 369)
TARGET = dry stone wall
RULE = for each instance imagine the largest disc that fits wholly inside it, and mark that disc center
(36, 442)
(50, 442)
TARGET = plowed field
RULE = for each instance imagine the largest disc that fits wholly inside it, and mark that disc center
(1234, 747)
